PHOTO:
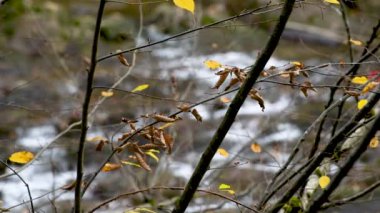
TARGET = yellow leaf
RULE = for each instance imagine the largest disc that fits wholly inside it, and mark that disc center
(152, 154)
(297, 63)
(370, 86)
(166, 125)
(110, 167)
(256, 148)
(359, 80)
(374, 142)
(225, 100)
(185, 4)
(224, 186)
(96, 139)
(140, 88)
(21, 157)
(130, 163)
(362, 103)
(223, 152)
(332, 1)
(230, 191)
(108, 93)
(356, 42)
(211, 64)
(324, 181)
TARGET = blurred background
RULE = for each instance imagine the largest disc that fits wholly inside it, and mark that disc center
(44, 51)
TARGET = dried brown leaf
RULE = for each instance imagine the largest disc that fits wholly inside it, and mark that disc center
(169, 141)
(307, 85)
(150, 146)
(222, 72)
(196, 115)
(352, 93)
(220, 81)
(162, 138)
(151, 134)
(163, 118)
(254, 94)
(69, 186)
(232, 83)
(100, 146)
(124, 136)
(184, 107)
(123, 60)
(240, 75)
(142, 162)
(264, 73)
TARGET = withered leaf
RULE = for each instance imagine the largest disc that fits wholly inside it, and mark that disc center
(169, 141)
(307, 85)
(220, 81)
(133, 126)
(69, 186)
(100, 146)
(121, 148)
(196, 115)
(163, 118)
(162, 138)
(151, 134)
(142, 162)
(123, 60)
(150, 146)
(254, 94)
(264, 73)
(124, 136)
(184, 107)
(352, 93)
(232, 83)
(240, 75)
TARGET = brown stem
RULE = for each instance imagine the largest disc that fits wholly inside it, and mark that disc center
(168, 188)
(319, 200)
(85, 108)
(232, 111)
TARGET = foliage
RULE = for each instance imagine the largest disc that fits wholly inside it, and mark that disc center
(149, 111)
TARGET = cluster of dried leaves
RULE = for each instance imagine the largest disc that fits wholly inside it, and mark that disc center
(237, 77)
(294, 71)
(153, 139)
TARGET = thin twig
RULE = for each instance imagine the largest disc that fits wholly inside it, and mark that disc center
(353, 197)
(327, 152)
(233, 110)
(25, 183)
(268, 194)
(319, 200)
(168, 188)
(142, 94)
(276, 6)
(43, 149)
(85, 109)
(347, 28)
